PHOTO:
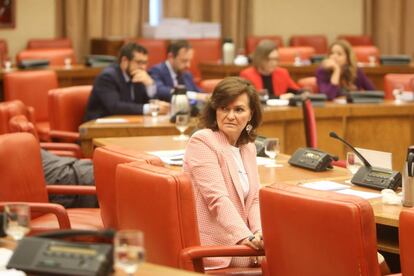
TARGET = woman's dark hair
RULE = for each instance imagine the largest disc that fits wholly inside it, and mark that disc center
(224, 94)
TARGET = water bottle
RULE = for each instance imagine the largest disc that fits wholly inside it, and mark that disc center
(408, 179)
(228, 51)
(179, 101)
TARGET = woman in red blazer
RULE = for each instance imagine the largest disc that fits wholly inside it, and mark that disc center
(221, 161)
(265, 74)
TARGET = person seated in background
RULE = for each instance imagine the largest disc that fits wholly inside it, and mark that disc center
(265, 74)
(174, 71)
(221, 161)
(339, 73)
(125, 87)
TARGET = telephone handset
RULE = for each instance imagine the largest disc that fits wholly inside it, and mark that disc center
(372, 177)
(312, 159)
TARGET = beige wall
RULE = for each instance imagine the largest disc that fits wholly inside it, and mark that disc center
(34, 19)
(288, 17)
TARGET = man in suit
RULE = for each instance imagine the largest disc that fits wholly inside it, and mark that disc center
(124, 88)
(174, 71)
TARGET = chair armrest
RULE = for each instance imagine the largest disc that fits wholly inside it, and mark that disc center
(64, 135)
(71, 189)
(62, 147)
(191, 258)
(339, 163)
(47, 208)
(63, 153)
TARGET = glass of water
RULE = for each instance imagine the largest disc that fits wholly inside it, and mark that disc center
(16, 220)
(154, 108)
(129, 250)
(272, 149)
(182, 122)
(352, 162)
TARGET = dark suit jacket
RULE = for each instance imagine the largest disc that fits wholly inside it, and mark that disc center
(165, 83)
(111, 95)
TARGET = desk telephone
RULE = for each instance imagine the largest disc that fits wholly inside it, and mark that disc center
(372, 177)
(312, 159)
(46, 256)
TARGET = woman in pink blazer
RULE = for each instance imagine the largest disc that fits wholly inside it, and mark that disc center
(265, 74)
(221, 160)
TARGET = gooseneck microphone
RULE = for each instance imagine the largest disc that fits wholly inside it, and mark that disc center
(366, 163)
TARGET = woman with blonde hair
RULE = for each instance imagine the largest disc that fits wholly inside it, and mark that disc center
(339, 73)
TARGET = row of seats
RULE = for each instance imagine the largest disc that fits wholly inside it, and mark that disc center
(135, 191)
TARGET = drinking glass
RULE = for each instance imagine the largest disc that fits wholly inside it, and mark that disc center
(16, 220)
(129, 250)
(272, 149)
(181, 123)
(352, 162)
(398, 91)
(154, 108)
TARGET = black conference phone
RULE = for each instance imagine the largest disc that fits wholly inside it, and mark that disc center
(312, 159)
(372, 177)
(46, 256)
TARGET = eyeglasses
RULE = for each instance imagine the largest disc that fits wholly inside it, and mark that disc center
(275, 59)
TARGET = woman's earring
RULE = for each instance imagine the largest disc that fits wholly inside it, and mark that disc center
(249, 128)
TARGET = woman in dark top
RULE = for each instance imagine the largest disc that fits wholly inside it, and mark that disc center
(339, 72)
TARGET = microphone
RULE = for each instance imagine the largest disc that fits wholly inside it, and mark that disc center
(366, 163)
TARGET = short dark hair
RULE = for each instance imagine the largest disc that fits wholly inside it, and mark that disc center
(262, 51)
(128, 50)
(175, 46)
(224, 94)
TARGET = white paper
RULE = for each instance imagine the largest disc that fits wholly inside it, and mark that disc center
(170, 157)
(277, 102)
(110, 120)
(380, 159)
(365, 195)
(5, 255)
(325, 186)
(263, 161)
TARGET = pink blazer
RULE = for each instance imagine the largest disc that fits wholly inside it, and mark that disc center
(224, 216)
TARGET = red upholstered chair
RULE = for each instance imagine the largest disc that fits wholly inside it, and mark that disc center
(392, 81)
(252, 41)
(205, 49)
(56, 57)
(288, 54)
(160, 202)
(49, 43)
(32, 87)
(309, 84)
(105, 160)
(309, 232)
(318, 42)
(66, 111)
(4, 53)
(357, 40)
(22, 180)
(406, 238)
(363, 53)
(209, 85)
(157, 49)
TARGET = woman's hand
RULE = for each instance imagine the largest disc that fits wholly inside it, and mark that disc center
(330, 64)
(254, 241)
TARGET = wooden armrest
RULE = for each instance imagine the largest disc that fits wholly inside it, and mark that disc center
(71, 189)
(46, 208)
(191, 258)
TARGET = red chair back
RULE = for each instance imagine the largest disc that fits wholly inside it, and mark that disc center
(288, 54)
(209, 85)
(159, 202)
(252, 41)
(205, 49)
(310, 124)
(363, 53)
(10, 109)
(4, 53)
(318, 42)
(51, 43)
(56, 57)
(392, 81)
(157, 49)
(309, 84)
(105, 160)
(68, 100)
(357, 40)
(317, 233)
(20, 123)
(406, 238)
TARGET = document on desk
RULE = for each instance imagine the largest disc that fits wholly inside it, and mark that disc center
(111, 120)
(325, 186)
(170, 157)
(365, 195)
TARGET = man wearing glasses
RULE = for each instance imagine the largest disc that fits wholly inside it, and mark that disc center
(125, 87)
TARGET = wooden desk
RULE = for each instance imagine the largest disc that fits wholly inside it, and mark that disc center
(387, 127)
(214, 70)
(386, 216)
